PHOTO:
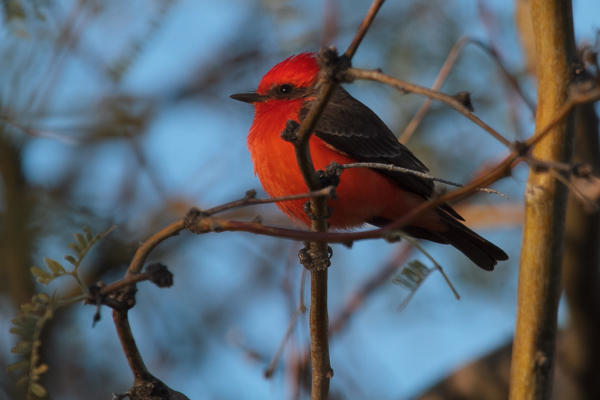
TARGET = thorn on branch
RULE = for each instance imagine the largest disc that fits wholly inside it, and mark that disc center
(250, 194)
(159, 275)
(465, 99)
(97, 298)
(290, 133)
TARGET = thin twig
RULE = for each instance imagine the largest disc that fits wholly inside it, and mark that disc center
(249, 199)
(574, 99)
(404, 87)
(424, 175)
(443, 74)
(359, 296)
(437, 84)
(363, 28)
(578, 193)
(124, 282)
(416, 244)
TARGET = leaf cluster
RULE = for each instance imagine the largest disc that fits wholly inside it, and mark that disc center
(30, 321)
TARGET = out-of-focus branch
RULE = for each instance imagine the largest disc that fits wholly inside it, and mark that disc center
(363, 28)
(460, 102)
(437, 84)
(445, 71)
(545, 205)
(580, 348)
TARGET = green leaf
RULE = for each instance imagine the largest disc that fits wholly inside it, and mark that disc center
(75, 248)
(18, 366)
(41, 369)
(23, 347)
(71, 259)
(24, 332)
(54, 266)
(22, 381)
(38, 390)
(40, 273)
(44, 297)
(88, 234)
(23, 322)
(81, 240)
(26, 308)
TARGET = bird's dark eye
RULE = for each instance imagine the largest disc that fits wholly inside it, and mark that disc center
(286, 89)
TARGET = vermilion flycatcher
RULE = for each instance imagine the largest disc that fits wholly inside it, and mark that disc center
(347, 132)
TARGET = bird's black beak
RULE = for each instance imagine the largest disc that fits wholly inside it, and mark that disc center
(248, 97)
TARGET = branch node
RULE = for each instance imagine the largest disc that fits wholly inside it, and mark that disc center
(290, 133)
(250, 194)
(394, 236)
(159, 275)
(582, 170)
(258, 219)
(307, 210)
(334, 67)
(314, 261)
(465, 99)
(520, 148)
(120, 396)
(191, 219)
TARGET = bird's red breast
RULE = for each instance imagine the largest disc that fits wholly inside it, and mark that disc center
(362, 193)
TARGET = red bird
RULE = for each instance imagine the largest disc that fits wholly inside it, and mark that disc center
(347, 132)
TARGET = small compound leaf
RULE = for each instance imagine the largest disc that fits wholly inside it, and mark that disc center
(41, 369)
(18, 366)
(88, 234)
(75, 248)
(81, 240)
(22, 381)
(40, 273)
(19, 331)
(43, 297)
(23, 347)
(38, 390)
(71, 259)
(54, 266)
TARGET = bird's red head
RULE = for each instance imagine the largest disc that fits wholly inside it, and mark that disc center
(299, 71)
(291, 79)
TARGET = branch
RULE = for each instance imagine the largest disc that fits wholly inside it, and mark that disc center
(390, 167)
(539, 289)
(457, 102)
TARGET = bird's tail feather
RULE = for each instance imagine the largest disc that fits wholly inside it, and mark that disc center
(482, 252)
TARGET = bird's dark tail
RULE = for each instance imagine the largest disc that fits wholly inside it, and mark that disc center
(482, 252)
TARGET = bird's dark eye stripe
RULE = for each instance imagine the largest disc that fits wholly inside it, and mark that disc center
(286, 89)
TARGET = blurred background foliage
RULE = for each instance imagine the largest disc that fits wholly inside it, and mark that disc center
(117, 112)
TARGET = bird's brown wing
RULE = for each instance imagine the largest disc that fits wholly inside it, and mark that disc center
(352, 128)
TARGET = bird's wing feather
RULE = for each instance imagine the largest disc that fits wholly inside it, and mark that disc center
(352, 128)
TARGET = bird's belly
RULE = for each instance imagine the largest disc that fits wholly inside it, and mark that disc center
(361, 195)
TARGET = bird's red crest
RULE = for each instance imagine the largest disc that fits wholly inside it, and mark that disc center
(300, 71)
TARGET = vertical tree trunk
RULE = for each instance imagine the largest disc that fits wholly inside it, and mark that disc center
(545, 201)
